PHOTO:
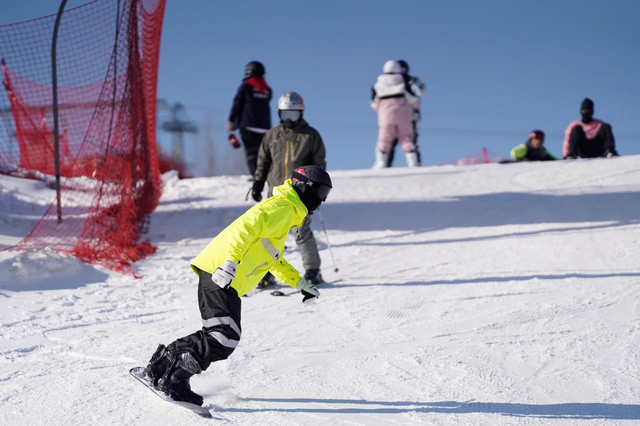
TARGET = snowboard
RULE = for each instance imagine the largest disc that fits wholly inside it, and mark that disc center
(138, 373)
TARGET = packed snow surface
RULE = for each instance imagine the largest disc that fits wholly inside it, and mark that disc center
(481, 295)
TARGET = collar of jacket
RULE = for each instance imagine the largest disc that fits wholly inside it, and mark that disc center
(302, 123)
(258, 82)
(286, 191)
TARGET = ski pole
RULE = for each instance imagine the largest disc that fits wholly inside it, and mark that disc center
(326, 236)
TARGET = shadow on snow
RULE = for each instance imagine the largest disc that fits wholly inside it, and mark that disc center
(414, 217)
(581, 276)
(583, 411)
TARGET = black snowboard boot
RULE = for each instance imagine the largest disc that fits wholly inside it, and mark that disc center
(267, 281)
(175, 381)
(313, 276)
(158, 364)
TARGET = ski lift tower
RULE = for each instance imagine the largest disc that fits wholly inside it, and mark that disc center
(177, 125)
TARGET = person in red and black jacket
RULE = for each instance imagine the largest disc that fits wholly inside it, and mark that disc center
(250, 111)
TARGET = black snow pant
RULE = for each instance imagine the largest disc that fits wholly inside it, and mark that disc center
(603, 143)
(251, 141)
(220, 311)
(392, 151)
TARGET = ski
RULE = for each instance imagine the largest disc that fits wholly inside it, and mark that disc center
(261, 289)
(138, 373)
(279, 293)
(282, 293)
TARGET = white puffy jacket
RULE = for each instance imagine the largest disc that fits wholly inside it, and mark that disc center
(391, 86)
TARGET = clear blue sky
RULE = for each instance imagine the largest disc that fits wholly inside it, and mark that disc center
(494, 69)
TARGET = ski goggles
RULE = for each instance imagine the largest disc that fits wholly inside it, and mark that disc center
(322, 191)
(291, 114)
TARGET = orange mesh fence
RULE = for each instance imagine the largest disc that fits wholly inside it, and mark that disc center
(167, 163)
(107, 62)
(484, 156)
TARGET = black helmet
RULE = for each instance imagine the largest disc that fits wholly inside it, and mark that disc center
(254, 69)
(404, 65)
(312, 185)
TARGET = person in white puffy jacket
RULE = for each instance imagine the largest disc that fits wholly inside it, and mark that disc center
(394, 103)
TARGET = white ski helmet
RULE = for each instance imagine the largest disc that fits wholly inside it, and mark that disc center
(290, 101)
(392, 67)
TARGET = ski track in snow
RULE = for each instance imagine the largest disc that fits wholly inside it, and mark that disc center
(494, 294)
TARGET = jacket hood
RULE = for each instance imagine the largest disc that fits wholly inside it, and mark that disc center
(389, 85)
(391, 79)
(286, 191)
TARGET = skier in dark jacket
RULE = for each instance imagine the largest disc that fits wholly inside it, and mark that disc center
(532, 149)
(291, 144)
(588, 137)
(250, 111)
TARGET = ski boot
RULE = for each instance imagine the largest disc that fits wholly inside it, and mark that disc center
(381, 160)
(158, 364)
(175, 381)
(313, 276)
(267, 281)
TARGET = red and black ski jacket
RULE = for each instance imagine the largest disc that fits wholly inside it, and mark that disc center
(251, 105)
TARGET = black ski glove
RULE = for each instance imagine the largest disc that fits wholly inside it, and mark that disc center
(256, 191)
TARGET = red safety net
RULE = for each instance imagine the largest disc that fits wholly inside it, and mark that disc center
(167, 163)
(484, 156)
(107, 62)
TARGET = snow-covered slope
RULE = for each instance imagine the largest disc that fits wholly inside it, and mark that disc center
(494, 294)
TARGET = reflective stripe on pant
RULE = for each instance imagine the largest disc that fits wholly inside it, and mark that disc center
(221, 331)
(307, 244)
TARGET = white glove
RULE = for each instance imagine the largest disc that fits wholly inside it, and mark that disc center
(225, 273)
(309, 291)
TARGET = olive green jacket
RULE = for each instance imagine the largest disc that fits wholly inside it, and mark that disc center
(283, 150)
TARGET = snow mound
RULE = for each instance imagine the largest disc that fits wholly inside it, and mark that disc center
(45, 270)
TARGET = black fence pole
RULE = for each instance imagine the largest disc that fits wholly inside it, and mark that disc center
(54, 74)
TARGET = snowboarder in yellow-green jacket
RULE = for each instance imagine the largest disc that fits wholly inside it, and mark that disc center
(532, 149)
(229, 267)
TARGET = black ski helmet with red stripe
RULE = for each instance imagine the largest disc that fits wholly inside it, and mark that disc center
(312, 184)
(254, 69)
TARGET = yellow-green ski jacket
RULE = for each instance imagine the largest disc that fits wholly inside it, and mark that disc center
(255, 241)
